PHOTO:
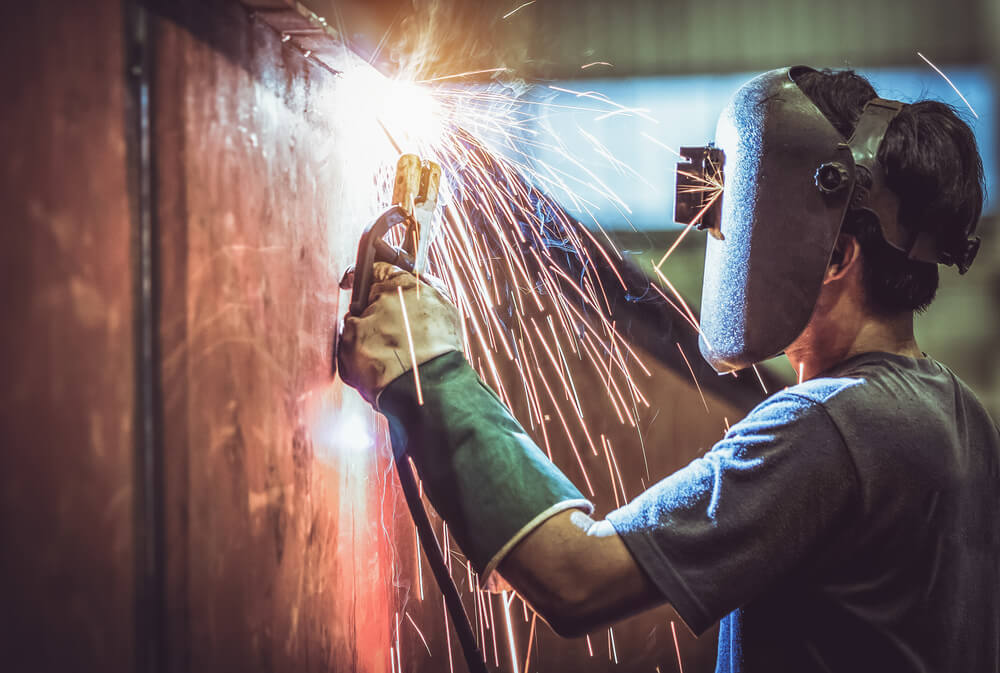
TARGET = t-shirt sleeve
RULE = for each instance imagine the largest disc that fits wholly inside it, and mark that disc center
(717, 533)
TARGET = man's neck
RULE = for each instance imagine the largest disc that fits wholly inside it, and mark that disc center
(819, 348)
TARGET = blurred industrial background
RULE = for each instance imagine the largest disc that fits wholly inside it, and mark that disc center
(183, 484)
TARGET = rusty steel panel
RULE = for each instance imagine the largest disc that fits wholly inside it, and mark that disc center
(277, 558)
(66, 347)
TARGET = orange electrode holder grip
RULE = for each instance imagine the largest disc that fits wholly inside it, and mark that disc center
(416, 191)
(414, 198)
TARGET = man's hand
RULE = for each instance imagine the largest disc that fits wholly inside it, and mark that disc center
(374, 347)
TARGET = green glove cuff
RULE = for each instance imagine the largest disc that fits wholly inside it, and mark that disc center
(481, 471)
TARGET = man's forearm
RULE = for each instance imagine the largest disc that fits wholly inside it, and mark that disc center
(480, 470)
(578, 575)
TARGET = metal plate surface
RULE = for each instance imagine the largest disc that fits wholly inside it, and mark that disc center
(66, 346)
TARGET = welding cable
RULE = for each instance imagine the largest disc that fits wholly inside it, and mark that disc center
(371, 249)
(428, 540)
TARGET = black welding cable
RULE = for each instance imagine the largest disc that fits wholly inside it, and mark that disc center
(372, 248)
(473, 655)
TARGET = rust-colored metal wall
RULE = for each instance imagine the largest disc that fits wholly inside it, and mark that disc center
(277, 557)
(285, 542)
(67, 342)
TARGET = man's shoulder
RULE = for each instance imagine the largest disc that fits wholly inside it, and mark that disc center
(817, 396)
(877, 383)
(854, 396)
(794, 415)
(830, 391)
(889, 403)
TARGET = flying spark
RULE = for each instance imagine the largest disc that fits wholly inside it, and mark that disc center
(510, 629)
(517, 9)
(677, 647)
(950, 83)
(409, 341)
(419, 633)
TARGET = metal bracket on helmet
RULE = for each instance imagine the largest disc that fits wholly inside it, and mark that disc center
(876, 197)
(700, 181)
(832, 177)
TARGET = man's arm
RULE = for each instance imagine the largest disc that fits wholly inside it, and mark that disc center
(578, 575)
(482, 472)
(710, 537)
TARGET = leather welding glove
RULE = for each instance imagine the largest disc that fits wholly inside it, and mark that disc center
(374, 347)
(479, 468)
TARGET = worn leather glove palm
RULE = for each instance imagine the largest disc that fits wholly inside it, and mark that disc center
(374, 347)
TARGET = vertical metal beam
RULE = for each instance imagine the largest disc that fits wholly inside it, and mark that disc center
(148, 484)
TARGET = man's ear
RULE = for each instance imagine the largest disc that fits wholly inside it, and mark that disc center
(846, 253)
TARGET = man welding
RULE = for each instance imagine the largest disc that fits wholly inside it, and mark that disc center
(848, 523)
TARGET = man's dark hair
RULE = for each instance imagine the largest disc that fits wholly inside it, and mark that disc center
(931, 163)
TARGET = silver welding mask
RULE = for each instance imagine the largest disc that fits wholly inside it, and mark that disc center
(773, 191)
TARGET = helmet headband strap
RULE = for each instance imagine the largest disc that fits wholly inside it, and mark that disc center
(876, 197)
(881, 202)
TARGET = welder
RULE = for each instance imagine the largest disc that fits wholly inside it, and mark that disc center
(848, 523)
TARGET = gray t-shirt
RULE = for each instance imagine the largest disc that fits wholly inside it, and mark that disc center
(850, 523)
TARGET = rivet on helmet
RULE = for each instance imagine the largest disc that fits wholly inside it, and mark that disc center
(831, 177)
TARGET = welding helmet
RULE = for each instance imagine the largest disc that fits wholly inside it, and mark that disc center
(773, 191)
